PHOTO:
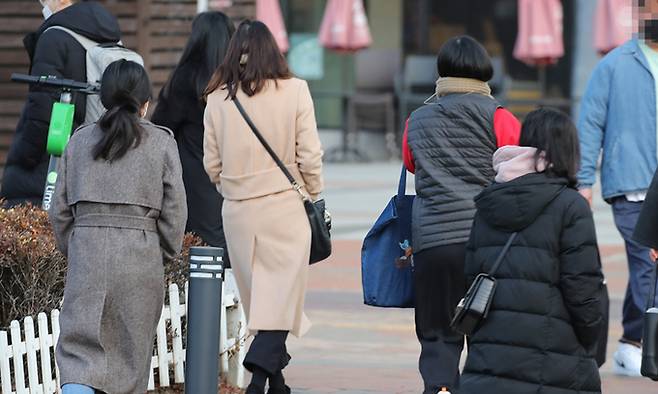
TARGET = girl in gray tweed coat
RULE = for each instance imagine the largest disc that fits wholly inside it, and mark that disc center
(119, 211)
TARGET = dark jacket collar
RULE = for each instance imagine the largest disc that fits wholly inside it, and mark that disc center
(88, 19)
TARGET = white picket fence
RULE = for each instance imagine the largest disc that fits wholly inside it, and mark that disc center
(38, 348)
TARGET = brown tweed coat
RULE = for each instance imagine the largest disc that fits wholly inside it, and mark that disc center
(267, 230)
(115, 221)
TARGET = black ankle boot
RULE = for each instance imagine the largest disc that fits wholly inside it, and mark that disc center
(279, 390)
(278, 384)
(254, 389)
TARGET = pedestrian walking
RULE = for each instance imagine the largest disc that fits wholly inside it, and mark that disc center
(646, 230)
(618, 123)
(448, 144)
(542, 330)
(180, 108)
(118, 212)
(57, 53)
(267, 229)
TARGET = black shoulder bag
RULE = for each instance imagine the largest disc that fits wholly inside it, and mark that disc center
(318, 217)
(474, 307)
(650, 335)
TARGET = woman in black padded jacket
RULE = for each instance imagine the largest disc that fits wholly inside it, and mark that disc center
(541, 333)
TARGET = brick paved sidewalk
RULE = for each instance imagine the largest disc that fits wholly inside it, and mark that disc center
(353, 348)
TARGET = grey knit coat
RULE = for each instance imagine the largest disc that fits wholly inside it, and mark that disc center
(116, 221)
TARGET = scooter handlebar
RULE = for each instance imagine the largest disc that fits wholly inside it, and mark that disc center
(49, 80)
(24, 78)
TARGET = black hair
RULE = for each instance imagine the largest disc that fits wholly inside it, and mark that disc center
(125, 88)
(464, 57)
(204, 51)
(556, 138)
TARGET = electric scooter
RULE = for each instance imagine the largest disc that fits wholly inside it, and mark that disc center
(61, 122)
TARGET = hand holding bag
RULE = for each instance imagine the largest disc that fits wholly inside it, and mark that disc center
(650, 336)
(474, 307)
(318, 217)
(386, 271)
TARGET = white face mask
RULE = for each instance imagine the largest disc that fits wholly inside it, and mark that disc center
(47, 13)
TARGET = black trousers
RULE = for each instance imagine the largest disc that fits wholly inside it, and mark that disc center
(440, 284)
(268, 352)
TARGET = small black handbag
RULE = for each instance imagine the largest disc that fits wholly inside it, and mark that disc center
(650, 336)
(474, 307)
(318, 217)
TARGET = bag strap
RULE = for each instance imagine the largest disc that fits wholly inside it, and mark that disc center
(652, 299)
(86, 43)
(502, 254)
(402, 186)
(269, 150)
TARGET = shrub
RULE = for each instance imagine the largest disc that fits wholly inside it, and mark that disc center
(32, 270)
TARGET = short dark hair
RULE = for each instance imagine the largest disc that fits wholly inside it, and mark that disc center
(125, 88)
(264, 61)
(556, 138)
(464, 57)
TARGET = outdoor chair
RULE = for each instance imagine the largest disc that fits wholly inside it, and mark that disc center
(372, 106)
(415, 84)
(500, 81)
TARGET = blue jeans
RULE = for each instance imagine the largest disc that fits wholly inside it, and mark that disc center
(640, 269)
(74, 388)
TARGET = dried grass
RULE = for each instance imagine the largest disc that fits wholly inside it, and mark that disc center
(33, 271)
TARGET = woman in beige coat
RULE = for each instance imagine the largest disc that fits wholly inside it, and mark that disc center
(267, 230)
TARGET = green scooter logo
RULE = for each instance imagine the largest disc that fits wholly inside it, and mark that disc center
(51, 180)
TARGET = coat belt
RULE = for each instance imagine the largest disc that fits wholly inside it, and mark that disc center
(116, 221)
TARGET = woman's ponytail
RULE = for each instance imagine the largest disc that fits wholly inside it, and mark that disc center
(125, 88)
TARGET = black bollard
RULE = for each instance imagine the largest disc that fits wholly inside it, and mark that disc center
(204, 304)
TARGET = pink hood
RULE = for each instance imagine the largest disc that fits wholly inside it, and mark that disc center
(511, 162)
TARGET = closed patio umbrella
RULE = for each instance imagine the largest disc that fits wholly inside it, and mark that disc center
(613, 24)
(345, 26)
(269, 12)
(539, 41)
(345, 29)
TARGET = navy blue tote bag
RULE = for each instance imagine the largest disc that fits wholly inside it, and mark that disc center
(385, 282)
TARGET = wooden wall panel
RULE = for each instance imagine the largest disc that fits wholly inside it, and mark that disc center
(158, 29)
(17, 18)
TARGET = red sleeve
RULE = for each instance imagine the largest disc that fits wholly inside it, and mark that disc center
(407, 155)
(506, 127)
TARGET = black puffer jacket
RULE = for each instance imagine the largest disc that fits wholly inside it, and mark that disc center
(56, 53)
(545, 318)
